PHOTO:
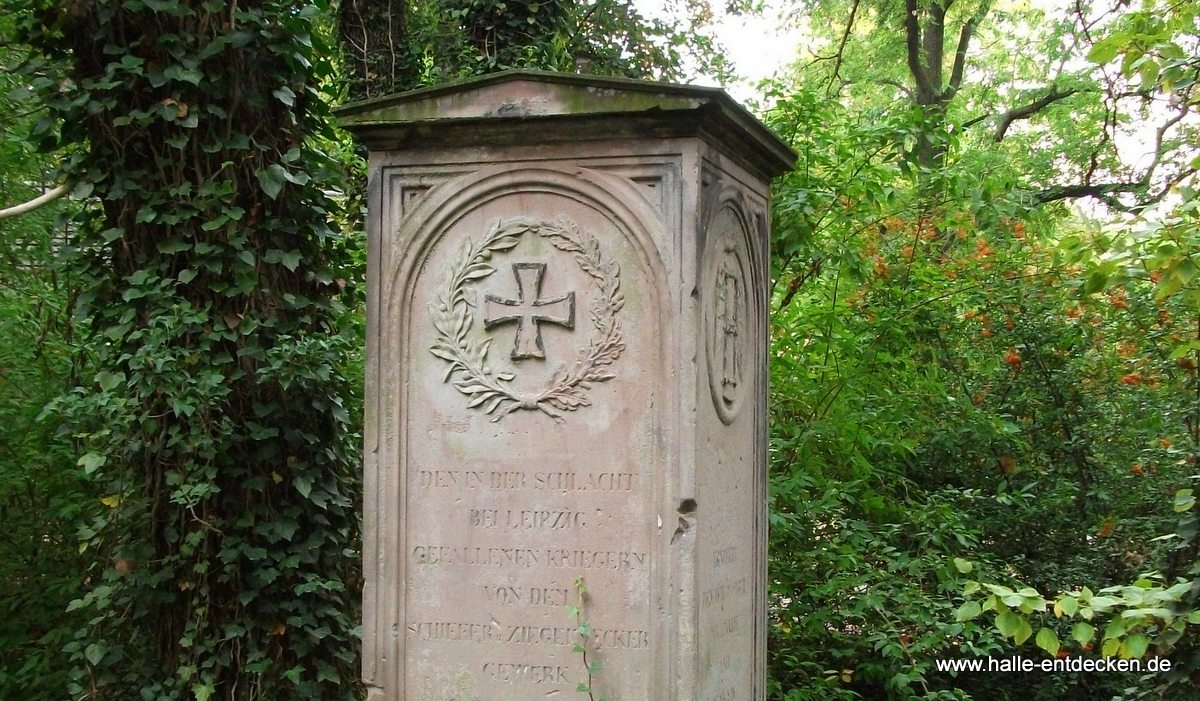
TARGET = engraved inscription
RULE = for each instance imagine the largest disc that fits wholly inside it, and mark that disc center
(540, 519)
(528, 310)
(513, 672)
(725, 557)
(527, 635)
(620, 560)
(517, 480)
(531, 596)
(720, 594)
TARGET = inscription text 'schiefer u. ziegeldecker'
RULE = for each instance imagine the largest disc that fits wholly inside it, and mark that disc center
(469, 370)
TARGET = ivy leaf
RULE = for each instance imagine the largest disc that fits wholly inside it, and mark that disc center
(290, 260)
(203, 691)
(272, 179)
(303, 485)
(285, 95)
(95, 653)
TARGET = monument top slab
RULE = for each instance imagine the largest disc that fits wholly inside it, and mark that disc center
(499, 109)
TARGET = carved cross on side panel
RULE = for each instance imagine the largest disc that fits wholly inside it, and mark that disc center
(729, 328)
(528, 310)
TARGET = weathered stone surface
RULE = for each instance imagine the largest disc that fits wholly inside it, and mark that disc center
(566, 384)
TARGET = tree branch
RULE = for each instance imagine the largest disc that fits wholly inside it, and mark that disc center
(1105, 192)
(837, 66)
(896, 84)
(1005, 119)
(1160, 136)
(912, 31)
(964, 42)
(40, 200)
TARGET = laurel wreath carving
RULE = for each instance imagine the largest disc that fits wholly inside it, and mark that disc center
(469, 370)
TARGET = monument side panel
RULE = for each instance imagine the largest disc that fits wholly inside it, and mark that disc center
(731, 456)
(527, 325)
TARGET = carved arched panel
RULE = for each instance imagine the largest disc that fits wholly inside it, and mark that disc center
(509, 363)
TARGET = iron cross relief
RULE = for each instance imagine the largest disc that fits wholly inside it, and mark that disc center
(529, 310)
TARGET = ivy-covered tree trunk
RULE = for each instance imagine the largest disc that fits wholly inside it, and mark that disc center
(211, 410)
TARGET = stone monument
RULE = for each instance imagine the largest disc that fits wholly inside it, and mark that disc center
(566, 391)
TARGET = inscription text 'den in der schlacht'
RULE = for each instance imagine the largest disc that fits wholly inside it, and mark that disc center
(561, 481)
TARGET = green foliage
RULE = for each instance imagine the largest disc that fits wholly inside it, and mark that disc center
(391, 45)
(607, 37)
(583, 627)
(211, 406)
(948, 353)
(41, 496)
